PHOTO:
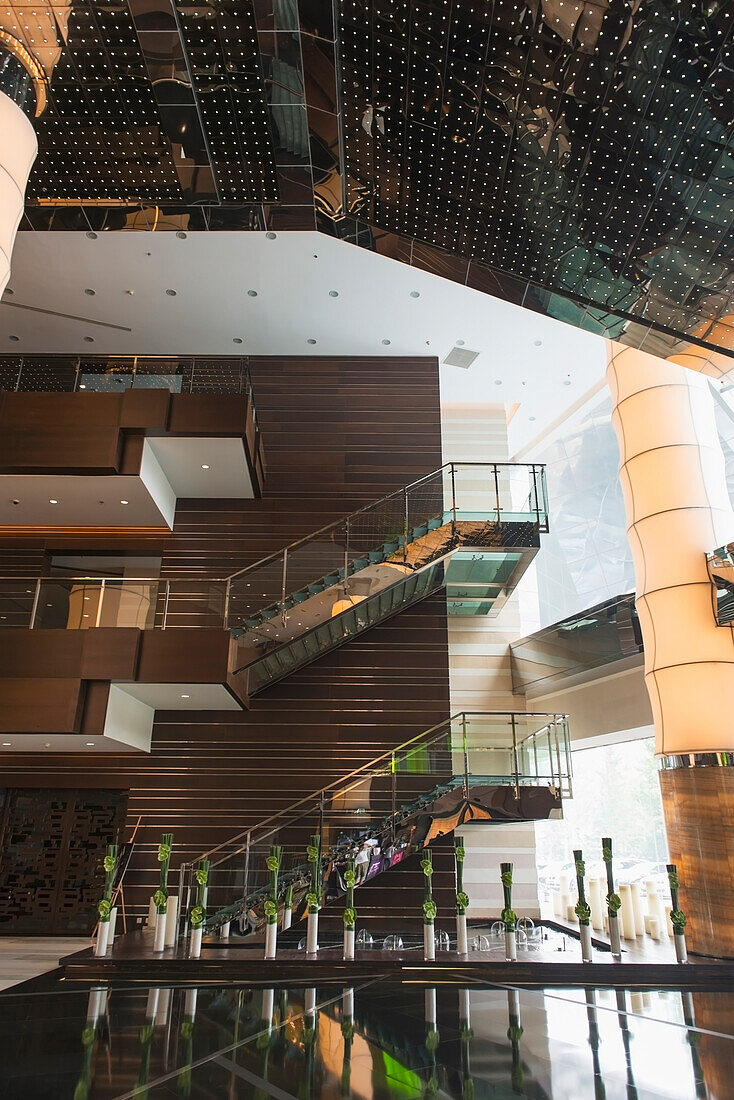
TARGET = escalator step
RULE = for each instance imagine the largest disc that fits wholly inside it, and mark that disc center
(434, 524)
(376, 556)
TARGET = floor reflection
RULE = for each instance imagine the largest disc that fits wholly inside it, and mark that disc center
(379, 1039)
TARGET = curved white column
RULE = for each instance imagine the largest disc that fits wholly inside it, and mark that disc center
(677, 506)
(18, 149)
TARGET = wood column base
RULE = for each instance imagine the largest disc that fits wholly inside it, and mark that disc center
(698, 804)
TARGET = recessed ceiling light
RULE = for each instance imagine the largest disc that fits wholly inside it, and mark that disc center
(7, 744)
(252, 294)
(52, 501)
(538, 343)
(181, 235)
(14, 338)
(415, 293)
(82, 385)
(531, 418)
(90, 292)
(92, 236)
(459, 343)
(47, 745)
(8, 291)
(171, 293)
(88, 339)
(131, 292)
(498, 381)
(204, 466)
(90, 744)
(185, 696)
(236, 340)
(333, 293)
(567, 382)
(124, 502)
(310, 340)
(386, 342)
(270, 236)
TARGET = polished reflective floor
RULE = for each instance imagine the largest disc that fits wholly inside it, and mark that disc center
(380, 1039)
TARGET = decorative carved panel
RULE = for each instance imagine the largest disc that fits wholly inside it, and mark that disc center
(51, 849)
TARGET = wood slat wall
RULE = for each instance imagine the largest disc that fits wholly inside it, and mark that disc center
(337, 433)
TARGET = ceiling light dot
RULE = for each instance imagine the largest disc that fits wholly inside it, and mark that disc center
(270, 236)
(185, 696)
(14, 338)
(236, 340)
(7, 744)
(181, 235)
(8, 291)
(92, 236)
(124, 502)
(52, 501)
(90, 744)
(531, 418)
(310, 340)
(459, 343)
(538, 343)
(252, 294)
(498, 381)
(90, 292)
(204, 466)
(333, 293)
(415, 293)
(88, 339)
(171, 293)
(386, 342)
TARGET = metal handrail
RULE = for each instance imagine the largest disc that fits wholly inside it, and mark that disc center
(536, 467)
(339, 784)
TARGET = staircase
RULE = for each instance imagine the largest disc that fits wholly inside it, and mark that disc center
(471, 528)
(498, 767)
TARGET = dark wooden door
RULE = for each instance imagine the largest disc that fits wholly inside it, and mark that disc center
(52, 843)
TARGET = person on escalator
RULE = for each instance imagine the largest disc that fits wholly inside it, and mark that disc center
(362, 862)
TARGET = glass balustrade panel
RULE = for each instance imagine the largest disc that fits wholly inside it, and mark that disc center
(17, 597)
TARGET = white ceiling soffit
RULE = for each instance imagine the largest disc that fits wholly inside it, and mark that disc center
(294, 294)
(182, 696)
(204, 467)
(77, 500)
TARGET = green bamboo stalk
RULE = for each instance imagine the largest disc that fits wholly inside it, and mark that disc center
(313, 853)
(160, 897)
(582, 909)
(677, 918)
(288, 899)
(197, 915)
(271, 903)
(508, 915)
(350, 913)
(462, 899)
(429, 905)
(104, 907)
(614, 902)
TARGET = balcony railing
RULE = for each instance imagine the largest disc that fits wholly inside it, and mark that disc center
(112, 374)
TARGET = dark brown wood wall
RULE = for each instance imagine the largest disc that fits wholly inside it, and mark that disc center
(337, 434)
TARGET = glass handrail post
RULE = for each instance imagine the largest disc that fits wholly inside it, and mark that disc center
(76, 374)
(453, 499)
(19, 375)
(246, 870)
(393, 797)
(550, 758)
(166, 600)
(227, 595)
(558, 756)
(567, 749)
(405, 526)
(346, 559)
(283, 589)
(514, 756)
(497, 493)
(466, 755)
(534, 476)
(535, 755)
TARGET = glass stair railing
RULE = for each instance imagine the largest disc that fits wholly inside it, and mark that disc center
(480, 522)
(473, 767)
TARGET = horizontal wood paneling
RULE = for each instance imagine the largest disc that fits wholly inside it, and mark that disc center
(338, 433)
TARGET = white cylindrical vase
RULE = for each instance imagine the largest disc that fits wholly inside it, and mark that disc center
(681, 952)
(287, 918)
(151, 1007)
(465, 1007)
(309, 1001)
(190, 1000)
(271, 939)
(195, 943)
(159, 942)
(103, 935)
(312, 934)
(585, 934)
(113, 926)
(510, 946)
(96, 1004)
(267, 1008)
(462, 942)
(637, 908)
(224, 931)
(171, 921)
(348, 943)
(429, 943)
(164, 1002)
(627, 911)
(596, 901)
(430, 1006)
(614, 937)
(152, 914)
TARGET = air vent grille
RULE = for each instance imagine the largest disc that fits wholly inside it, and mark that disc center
(461, 357)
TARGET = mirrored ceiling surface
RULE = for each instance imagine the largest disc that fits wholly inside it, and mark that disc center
(573, 157)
